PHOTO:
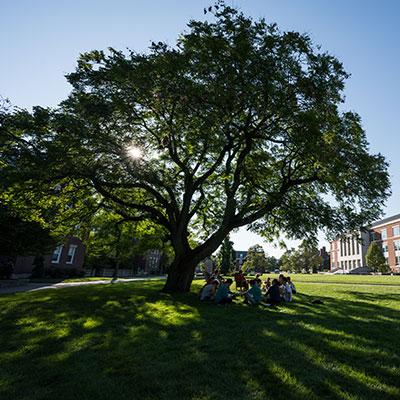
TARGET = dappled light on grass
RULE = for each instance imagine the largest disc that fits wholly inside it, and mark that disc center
(168, 314)
(132, 341)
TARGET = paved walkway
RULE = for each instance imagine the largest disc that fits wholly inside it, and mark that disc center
(32, 287)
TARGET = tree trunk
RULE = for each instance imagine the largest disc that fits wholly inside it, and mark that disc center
(180, 276)
(181, 271)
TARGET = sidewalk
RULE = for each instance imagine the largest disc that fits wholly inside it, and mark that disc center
(31, 287)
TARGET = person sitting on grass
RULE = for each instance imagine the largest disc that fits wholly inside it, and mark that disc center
(224, 295)
(217, 276)
(267, 283)
(291, 284)
(258, 279)
(282, 286)
(273, 294)
(287, 295)
(253, 295)
(240, 280)
(208, 291)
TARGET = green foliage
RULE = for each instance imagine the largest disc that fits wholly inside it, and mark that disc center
(238, 124)
(375, 258)
(256, 259)
(226, 256)
(305, 258)
(288, 261)
(19, 237)
(114, 241)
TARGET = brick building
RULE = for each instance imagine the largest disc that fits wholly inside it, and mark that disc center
(387, 234)
(349, 250)
(70, 254)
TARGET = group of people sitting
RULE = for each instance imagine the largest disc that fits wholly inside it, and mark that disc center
(254, 291)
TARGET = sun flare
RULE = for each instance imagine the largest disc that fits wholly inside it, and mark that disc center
(134, 152)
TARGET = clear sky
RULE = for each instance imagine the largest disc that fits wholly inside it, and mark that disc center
(40, 41)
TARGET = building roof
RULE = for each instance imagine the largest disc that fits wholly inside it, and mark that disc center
(385, 220)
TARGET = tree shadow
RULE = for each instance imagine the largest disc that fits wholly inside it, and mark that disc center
(131, 341)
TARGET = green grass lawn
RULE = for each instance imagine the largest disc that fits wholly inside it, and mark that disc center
(129, 341)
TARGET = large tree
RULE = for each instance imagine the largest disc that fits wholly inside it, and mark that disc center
(236, 124)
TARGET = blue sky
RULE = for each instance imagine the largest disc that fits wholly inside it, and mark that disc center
(40, 41)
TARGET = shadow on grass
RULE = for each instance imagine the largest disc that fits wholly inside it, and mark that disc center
(130, 341)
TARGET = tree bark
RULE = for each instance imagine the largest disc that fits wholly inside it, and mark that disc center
(180, 275)
(181, 271)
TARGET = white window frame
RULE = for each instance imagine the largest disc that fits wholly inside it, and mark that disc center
(58, 251)
(72, 247)
(384, 236)
(396, 245)
(396, 227)
(385, 247)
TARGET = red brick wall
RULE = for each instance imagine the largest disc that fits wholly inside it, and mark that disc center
(23, 265)
(389, 240)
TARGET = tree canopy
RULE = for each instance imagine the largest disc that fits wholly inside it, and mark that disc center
(305, 258)
(20, 237)
(236, 124)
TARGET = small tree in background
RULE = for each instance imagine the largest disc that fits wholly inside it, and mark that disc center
(375, 258)
(272, 263)
(255, 259)
(288, 261)
(309, 258)
(226, 256)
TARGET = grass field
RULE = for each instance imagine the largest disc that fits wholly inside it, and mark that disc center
(129, 341)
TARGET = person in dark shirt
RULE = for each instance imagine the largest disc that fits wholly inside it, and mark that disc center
(224, 295)
(273, 294)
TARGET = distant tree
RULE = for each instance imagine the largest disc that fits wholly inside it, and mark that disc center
(114, 242)
(255, 260)
(308, 257)
(289, 261)
(226, 256)
(272, 263)
(236, 124)
(375, 258)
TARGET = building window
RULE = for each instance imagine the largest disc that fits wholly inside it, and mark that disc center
(384, 234)
(342, 264)
(352, 246)
(71, 254)
(397, 260)
(385, 247)
(349, 246)
(397, 245)
(354, 263)
(396, 230)
(55, 258)
(358, 263)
